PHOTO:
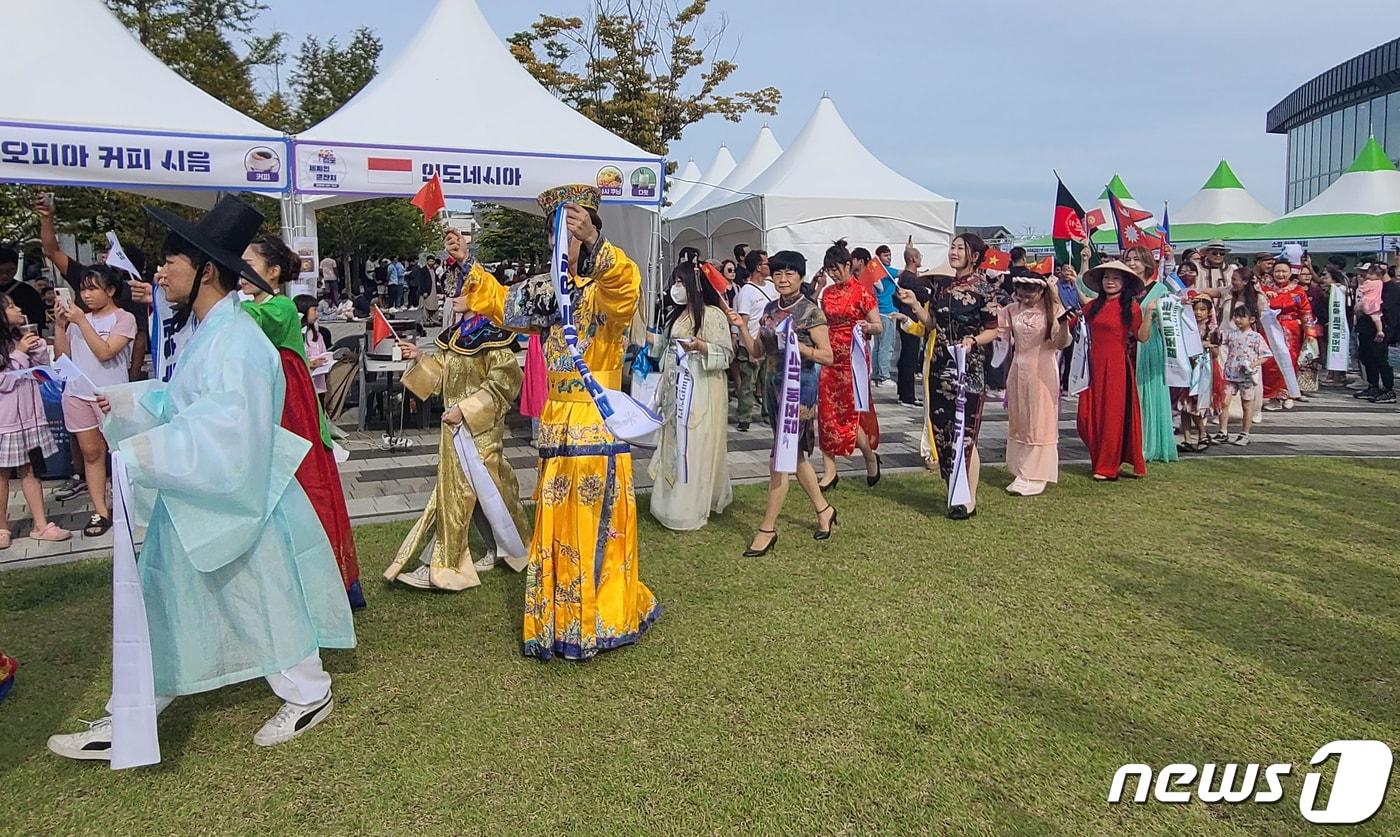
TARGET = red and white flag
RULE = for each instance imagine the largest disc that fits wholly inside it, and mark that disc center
(390, 170)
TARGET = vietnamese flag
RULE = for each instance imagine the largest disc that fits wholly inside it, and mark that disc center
(1044, 267)
(429, 199)
(995, 259)
(380, 329)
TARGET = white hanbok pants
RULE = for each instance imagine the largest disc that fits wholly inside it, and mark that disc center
(303, 684)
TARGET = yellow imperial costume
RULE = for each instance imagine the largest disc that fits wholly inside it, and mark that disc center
(475, 369)
(582, 590)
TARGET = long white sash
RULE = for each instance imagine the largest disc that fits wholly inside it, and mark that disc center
(860, 368)
(959, 493)
(1278, 344)
(508, 541)
(1079, 361)
(785, 439)
(1178, 371)
(685, 392)
(1203, 381)
(1338, 331)
(133, 704)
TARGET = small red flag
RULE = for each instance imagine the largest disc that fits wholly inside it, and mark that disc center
(715, 278)
(1044, 267)
(429, 199)
(380, 330)
(873, 274)
(996, 260)
(1095, 219)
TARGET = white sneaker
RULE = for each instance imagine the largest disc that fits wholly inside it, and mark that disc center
(93, 744)
(486, 562)
(1018, 487)
(1289, 404)
(292, 720)
(419, 578)
(1033, 487)
(1240, 440)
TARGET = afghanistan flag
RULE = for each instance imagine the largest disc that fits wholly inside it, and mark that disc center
(1068, 229)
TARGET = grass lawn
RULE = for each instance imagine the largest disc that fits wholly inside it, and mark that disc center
(911, 675)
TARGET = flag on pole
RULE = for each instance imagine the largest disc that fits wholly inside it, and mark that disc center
(874, 273)
(380, 330)
(995, 259)
(715, 278)
(1068, 227)
(1044, 267)
(117, 257)
(429, 199)
(1129, 233)
(1095, 220)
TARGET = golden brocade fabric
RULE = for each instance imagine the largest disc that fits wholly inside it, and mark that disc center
(485, 385)
(583, 593)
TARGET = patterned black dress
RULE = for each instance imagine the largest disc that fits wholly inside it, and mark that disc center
(960, 308)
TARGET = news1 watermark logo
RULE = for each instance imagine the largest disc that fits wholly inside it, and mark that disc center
(1357, 792)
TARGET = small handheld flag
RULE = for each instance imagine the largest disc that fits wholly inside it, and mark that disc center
(116, 256)
(429, 199)
(873, 273)
(995, 259)
(1095, 219)
(1044, 267)
(380, 329)
(1129, 233)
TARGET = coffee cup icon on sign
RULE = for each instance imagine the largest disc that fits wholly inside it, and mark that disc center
(263, 165)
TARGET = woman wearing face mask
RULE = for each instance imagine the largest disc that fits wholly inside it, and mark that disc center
(1110, 421)
(1038, 333)
(963, 311)
(690, 475)
(843, 429)
(790, 309)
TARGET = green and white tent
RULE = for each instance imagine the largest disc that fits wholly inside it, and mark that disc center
(1358, 213)
(1222, 209)
(1105, 237)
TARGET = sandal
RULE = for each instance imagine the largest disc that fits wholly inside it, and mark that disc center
(6, 538)
(51, 532)
(97, 526)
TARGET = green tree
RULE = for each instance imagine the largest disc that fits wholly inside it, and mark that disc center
(629, 68)
(328, 75)
(510, 235)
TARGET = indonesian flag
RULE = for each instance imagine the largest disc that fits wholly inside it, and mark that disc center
(429, 199)
(380, 330)
(996, 260)
(396, 171)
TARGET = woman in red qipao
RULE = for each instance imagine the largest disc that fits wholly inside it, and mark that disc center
(845, 302)
(1110, 421)
(318, 475)
(1295, 315)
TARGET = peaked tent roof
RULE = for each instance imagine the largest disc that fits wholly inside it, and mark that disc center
(1364, 201)
(1223, 208)
(719, 169)
(762, 154)
(1120, 191)
(685, 179)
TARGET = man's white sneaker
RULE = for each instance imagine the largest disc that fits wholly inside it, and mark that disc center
(419, 578)
(293, 720)
(486, 562)
(93, 744)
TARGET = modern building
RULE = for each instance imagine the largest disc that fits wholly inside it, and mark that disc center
(1329, 119)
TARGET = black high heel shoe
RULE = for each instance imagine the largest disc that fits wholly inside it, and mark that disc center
(835, 481)
(879, 468)
(823, 534)
(759, 553)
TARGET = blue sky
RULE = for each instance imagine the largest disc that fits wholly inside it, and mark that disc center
(979, 101)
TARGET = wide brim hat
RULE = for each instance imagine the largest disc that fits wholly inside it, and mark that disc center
(222, 234)
(1215, 244)
(1093, 277)
(585, 195)
(942, 271)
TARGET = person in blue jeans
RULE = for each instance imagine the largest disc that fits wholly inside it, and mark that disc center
(882, 353)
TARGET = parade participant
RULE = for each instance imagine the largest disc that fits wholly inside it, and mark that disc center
(478, 378)
(1371, 335)
(1067, 288)
(1244, 348)
(1215, 273)
(1037, 326)
(690, 469)
(1154, 396)
(1195, 412)
(792, 312)
(318, 475)
(1295, 318)
(1109, 420)
(583, 591)
(842, 427)
(237, 576)
(23, 428)
(962, 310)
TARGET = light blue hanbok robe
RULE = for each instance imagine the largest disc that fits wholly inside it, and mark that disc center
(237, 575)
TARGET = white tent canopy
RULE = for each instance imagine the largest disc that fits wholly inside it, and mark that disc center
(718, 170)
(685, 179)
(764, 152)
(122, 120)
(828, 185)
(497, 136)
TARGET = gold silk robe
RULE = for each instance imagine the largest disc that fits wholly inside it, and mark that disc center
(485, 384)
(583, 593)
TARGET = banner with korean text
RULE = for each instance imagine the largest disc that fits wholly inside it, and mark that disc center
(55, 154)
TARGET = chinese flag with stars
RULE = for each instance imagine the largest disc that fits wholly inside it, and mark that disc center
(996, 260)
(429, 199)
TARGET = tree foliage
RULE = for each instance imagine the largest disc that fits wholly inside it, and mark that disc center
(509, 235)
(631, 67)
(328, 75)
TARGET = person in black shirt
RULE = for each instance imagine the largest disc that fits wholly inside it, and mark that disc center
(23, 295)
(910, 360)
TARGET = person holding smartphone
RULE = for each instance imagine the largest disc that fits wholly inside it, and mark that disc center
(1039, 328)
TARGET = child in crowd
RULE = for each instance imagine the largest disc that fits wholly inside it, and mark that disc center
(1194, 413)
(1368, 299)
(100, 343)
(1245, 351)
(315, 341)
(23, 428)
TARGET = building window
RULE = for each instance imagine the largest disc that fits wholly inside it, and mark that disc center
(1378, 119)
(1315, 146)
(1324, 160)
(1334, 162)
(1348, 152)
(1363, 128)
(1392, 125)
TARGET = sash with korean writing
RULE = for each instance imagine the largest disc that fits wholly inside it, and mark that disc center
(685, 392)
(1338, 331)
(493, 505)
(1079, 361)
(959, 492)
(1178, 371)
(786, 438)
(860, 368)
(1278, 344)
(133, 704)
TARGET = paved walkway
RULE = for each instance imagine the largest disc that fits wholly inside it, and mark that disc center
(383, 485)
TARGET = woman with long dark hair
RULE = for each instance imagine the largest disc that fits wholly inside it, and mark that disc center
(1032, 322)
(792, 309)
(1110, 420)
(318, 476)
(690, 471)
(841, 427)
(1154, 396)
(315, 341)
(963, 311)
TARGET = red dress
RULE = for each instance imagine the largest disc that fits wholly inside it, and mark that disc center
(1110, 421)
(845, 304)
(1295, 315)
(318, 475)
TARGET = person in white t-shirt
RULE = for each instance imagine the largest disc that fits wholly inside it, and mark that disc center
(749, 304)
(99, 343)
